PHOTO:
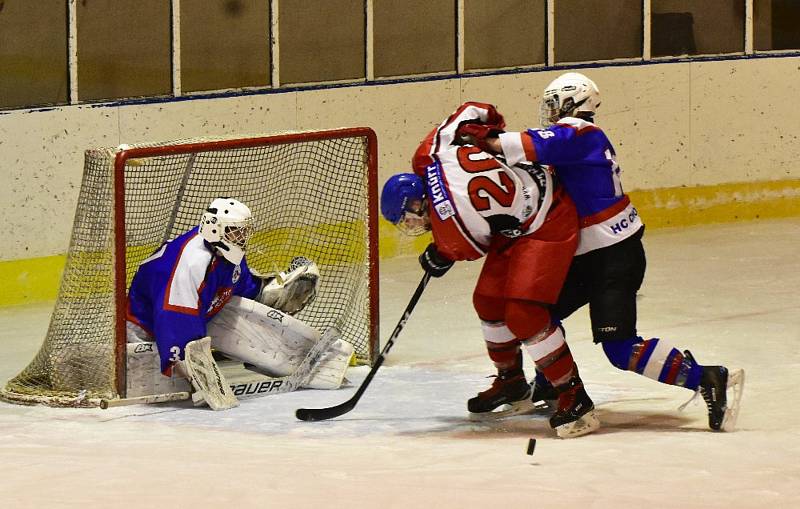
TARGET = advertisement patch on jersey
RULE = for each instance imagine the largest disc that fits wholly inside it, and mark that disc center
(221, 298)
(438, 192)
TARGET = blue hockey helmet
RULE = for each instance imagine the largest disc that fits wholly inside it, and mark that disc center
(403, 203)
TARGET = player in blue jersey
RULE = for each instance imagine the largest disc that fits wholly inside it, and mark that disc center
(197, 291)
(609, 264)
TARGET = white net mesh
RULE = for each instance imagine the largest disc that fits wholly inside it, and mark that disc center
(309, 197)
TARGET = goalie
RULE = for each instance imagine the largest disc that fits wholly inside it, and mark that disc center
(197, 292)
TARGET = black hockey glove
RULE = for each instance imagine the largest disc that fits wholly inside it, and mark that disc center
(433, 262)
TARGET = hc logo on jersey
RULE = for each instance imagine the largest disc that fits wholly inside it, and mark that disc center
(438, 193)
(237, 273)
(625, 222)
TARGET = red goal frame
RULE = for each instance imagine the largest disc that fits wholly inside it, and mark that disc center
(120, 248)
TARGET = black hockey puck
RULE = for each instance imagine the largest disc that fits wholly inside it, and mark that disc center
(531, 446)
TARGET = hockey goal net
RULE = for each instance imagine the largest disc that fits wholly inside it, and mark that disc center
(311, 194)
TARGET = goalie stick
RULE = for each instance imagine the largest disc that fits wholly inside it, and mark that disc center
(260, 385)
(288, 383)
(152, 398)
(321, 414)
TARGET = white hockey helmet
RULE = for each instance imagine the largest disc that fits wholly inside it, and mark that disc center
(227, 224)
(567, 95)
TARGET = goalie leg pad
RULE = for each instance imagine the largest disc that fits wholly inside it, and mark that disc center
(135, 334)
(269, 339)
(144, 377)
(329, 373)
(206, 377)
(292, 290)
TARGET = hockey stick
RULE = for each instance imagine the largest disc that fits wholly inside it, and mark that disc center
(152, 398)
(321, 414)
(263, 385)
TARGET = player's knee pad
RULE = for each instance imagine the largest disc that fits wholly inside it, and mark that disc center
(619, 351)
(526, 318)
(489, 309)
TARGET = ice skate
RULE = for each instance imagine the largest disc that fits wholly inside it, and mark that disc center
(510, 394)
(715, 384)
(544, 396)
(575, 415)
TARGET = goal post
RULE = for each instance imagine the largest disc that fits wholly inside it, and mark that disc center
(312, 194)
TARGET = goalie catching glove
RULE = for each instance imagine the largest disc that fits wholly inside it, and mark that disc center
(292, 290)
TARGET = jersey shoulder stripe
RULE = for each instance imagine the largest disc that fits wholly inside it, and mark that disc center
(580, 125)
(518, 147)
(188, 274)
(606, 213)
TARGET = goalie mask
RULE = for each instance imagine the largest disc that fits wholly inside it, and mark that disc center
(227, 225)
(568, 95)
(404, 205)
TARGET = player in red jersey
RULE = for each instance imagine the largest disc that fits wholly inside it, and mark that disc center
(527, 227)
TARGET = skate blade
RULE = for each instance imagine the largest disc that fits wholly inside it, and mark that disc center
(736, 385)
(521, 407)
(583, 426)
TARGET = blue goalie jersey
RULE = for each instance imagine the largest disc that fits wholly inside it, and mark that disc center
(179, 289)
(585, 163)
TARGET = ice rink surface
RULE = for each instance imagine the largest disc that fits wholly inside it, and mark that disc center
(730, 293)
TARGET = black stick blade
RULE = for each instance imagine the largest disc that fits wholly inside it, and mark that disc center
(323, 414)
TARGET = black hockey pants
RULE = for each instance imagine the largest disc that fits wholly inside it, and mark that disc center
(607, 279)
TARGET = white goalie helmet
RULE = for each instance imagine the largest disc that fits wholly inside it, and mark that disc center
(567, 95)
(227, 224)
